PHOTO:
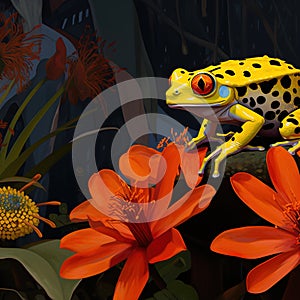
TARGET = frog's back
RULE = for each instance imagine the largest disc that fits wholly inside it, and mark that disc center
(268, 86)
(236, 73)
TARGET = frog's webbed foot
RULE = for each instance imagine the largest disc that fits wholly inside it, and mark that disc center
(223, 151)
(295, 148)
(239, 141)
(216, 152)
(292, 150)
(282, 143)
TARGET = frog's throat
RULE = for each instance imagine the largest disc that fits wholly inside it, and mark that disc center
(196, 105)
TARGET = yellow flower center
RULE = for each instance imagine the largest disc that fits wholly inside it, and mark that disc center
(17, 214)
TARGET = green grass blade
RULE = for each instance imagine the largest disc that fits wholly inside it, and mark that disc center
(7, 91)
(13, 122)
(24, 135)
(21, 179)
(12, 168)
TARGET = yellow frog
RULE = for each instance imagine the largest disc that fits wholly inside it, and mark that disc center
(260, 94)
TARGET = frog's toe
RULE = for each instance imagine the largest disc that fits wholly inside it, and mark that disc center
(292, 152)
(216, 174)
(254, 148)
(203, 165)
(227, 134)
(216, 140)
(294, 149)
(191, 145)
(282, 143)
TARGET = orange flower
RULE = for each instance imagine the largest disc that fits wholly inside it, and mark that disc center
(281, 208)
(17, 50)
(89, 72)
(190, 160)
(135, 223)
(55, 66)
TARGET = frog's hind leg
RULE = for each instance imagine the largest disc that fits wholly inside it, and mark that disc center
(289, 129)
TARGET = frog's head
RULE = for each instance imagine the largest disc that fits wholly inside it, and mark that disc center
(199, 88)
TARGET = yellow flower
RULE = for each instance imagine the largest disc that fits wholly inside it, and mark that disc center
(19, 215)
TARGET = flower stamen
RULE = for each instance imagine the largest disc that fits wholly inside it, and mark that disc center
(48, 203)
(179, 139)
(50, 223)
(37, 231)
(34, 180)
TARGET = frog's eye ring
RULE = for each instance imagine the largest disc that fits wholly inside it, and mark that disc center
(203, 84)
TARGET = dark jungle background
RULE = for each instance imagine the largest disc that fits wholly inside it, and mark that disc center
(152, 38)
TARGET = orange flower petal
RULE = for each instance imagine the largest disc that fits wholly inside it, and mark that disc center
(114, 229)
(133, 277)
(100, 222)
(85, 211)
(104, 187)
(165, 246)
(285, 179)
(259, 197)
(168, 172)
(190, 165)
(92, 240)
(189, 205)
(140, 163)
(253, 242)
(265, 275)
(95, 261)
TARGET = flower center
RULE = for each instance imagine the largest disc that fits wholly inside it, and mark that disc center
(128, 208)
(17, 211)
(292, 213)
(19, 215)
(141, 232)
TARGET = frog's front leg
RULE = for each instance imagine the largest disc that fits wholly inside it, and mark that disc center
(206, 130)
(289, 129)
(252, 124)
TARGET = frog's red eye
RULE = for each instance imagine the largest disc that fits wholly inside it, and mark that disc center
(170, 80)
(203, 84)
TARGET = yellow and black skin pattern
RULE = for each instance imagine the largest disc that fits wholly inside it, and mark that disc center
(259, 94)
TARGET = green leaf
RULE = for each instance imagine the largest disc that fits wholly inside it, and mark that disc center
(6, 293)
(42, 261)
(182, 291)
(21, 179)
(55, 256)
(170, 269)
